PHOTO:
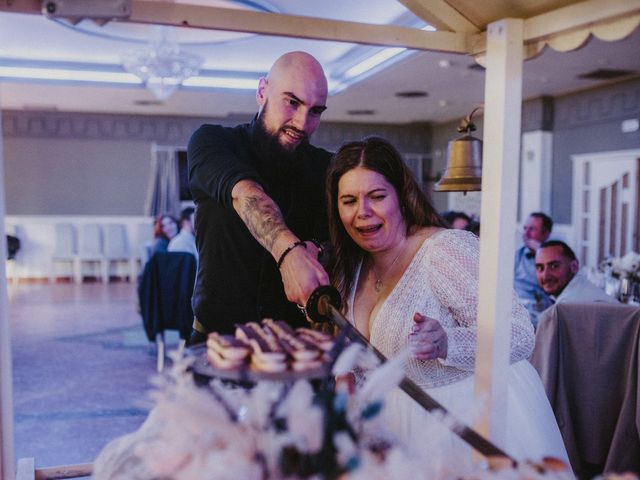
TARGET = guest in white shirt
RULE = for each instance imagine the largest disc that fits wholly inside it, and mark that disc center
(185, 240)
(557, 270)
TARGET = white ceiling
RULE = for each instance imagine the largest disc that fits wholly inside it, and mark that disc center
(453, 89)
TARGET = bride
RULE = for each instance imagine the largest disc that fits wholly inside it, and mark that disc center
(408, 281)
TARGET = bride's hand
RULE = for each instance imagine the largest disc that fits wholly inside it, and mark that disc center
(427, 338)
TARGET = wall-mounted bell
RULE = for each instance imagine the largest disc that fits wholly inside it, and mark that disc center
(464, 161)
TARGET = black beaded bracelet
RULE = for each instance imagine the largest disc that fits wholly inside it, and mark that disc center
(299, 243)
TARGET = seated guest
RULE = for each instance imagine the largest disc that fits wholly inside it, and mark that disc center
(408, 282)
(164, 229)
(473, 226)
(535, 230)
(457, 220)
(185, 241)
(557, 270)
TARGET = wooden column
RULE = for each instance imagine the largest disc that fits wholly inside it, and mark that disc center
(6, 376)
(501, 152)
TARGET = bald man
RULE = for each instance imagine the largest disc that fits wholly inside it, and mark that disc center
(259, 194)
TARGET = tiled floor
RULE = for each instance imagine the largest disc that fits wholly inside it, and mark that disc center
(81, 365)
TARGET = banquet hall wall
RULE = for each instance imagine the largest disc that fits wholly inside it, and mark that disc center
(79, 168)
(582, 122)
(62, 163)
(68, 166)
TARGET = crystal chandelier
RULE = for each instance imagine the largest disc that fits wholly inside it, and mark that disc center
(160, 64)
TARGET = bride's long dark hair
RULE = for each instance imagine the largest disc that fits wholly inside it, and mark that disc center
(377, 155)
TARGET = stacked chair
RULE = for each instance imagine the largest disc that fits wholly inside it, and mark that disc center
(91, 251)
(116, 248)
(65, 251)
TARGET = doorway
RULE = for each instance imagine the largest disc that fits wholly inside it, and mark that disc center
(605, 204)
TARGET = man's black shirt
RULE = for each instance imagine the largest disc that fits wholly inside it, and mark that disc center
(238, 280)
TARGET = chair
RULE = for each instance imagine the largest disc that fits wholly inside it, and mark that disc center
(165, 293)
(91, 250)
(141, 248)
(588, 358)
(64, 249)
(116, 247)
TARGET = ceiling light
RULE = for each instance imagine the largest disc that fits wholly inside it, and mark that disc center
(361, 112)
(373, 61)
(35, 73)
(606, 74)
(161, 65)
(148, 103)
(222, 82)
(378, 58)
(476, 67)
(412, 94)
(19, 71)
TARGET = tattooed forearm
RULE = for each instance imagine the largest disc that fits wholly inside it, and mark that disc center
(263, 219)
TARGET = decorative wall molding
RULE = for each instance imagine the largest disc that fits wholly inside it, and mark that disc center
(176, 131)
(92, 126)
(615, 102)
(409, 138)
(537, 114)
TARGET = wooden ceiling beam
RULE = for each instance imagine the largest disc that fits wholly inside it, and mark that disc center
(577, 16)
(441, 15)
(216, 18)
(21, 6)
(566, 22)
(464, 39)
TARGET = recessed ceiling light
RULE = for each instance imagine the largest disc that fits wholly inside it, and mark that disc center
(412, 94)
(148, 103)
(361, 112)
(40, 107)
(605, 74)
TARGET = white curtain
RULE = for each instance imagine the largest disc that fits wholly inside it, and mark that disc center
(163, 194)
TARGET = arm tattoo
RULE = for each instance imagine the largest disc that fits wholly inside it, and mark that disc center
(263, 219)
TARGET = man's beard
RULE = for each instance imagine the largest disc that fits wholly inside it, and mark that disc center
(268, 144)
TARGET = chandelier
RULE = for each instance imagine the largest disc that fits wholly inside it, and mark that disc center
(160, 64)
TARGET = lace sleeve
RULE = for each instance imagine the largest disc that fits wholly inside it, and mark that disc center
(454, 271)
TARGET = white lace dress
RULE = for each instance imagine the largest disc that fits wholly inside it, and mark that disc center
(442, 282)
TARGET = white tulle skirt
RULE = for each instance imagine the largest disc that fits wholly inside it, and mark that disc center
(531, 428)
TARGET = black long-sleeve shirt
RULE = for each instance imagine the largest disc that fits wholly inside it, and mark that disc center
(238, 280)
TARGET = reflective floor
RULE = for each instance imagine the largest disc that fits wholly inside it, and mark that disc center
(81, 365)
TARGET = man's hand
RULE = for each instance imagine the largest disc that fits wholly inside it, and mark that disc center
(300, 269)
(302, 273)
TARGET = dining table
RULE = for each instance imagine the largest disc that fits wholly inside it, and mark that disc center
(588, 358)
